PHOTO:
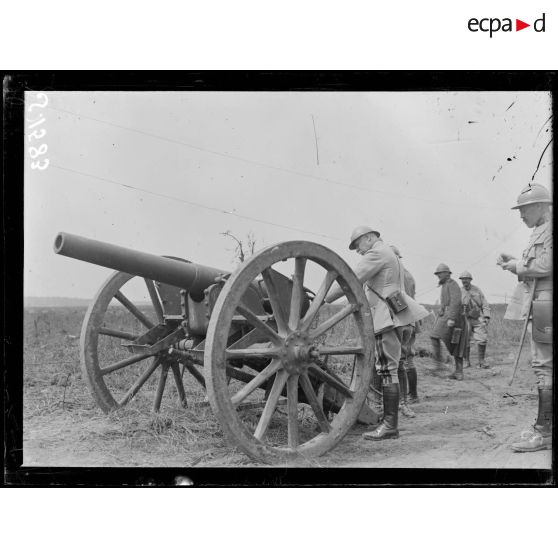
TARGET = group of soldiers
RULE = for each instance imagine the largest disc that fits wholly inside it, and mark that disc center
(463, 317)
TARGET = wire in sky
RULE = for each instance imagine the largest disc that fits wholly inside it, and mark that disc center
(194, 204)
(231, 213)
(275, 167)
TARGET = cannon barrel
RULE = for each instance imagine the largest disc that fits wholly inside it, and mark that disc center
(179, 273)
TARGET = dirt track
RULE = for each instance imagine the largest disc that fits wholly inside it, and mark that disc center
(467, 424)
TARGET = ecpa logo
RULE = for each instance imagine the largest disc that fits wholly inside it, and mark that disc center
(492, 25)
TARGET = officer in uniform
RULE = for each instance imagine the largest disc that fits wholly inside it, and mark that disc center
(535, 269)
(381, 273)
(477, 312)
(407, 372)
(450, 325)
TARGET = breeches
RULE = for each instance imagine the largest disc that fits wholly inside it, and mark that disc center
(408, 336)
(388, 353)
(478, 331)
(541, 360)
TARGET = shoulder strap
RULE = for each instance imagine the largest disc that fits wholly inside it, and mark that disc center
(401, 283)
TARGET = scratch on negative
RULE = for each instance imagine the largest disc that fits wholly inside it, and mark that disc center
(315, 140)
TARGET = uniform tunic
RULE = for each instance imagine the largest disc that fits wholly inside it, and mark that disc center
(451, 309)
(381, 273)
(409, 282)
(535, 263)
(476, 309)
(408, 341)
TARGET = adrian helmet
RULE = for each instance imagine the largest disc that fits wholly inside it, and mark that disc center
(442, 267)
(533, 193)
(360, 231)
(465, 275)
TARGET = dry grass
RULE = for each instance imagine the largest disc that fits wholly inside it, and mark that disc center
(54, 388)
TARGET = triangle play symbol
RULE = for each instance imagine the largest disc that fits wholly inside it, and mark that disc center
(519, 25)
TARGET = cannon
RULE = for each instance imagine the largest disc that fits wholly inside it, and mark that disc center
(255, 340)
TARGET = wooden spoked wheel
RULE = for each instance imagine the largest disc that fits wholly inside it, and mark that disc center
(291, 419)
(117, 357)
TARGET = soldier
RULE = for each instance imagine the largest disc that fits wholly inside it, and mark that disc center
(407, 372)
(534, 270)
(477, 312)
(450, 325)
(381, 273)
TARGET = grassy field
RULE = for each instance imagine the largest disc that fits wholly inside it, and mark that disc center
(62, 421)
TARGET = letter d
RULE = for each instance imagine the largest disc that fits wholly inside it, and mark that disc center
(535, 25)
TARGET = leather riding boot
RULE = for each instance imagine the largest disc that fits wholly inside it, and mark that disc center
(540, 436)
(458, 374)
(412, 379)
(406, 411)
(467, 363)
(376, 390)
(482, 354)
(388, 427)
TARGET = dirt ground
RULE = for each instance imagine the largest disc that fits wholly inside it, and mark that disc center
(468, 424)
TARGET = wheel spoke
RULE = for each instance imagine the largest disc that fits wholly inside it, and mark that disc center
(297, 293)
(275, 300)
(238, 374)
(334, 320)
(155, 300)
(313, 401)
(179, 384)
(318, 300)
(134, 310)
(160, 387)
(253, 336)
(271, 404)
(117, 333)
(195, 372)
(339, 350)
(329, 378)
(257, 323)
(262, 377)
(122, 363)
(264, 352)
(139, 383)
(292, 409)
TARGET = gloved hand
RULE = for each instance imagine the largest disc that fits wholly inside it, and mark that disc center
(450, 323)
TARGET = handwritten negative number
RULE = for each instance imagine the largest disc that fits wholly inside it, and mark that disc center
(40, 95)
(40, 165)
(37, 134)
(34, 152)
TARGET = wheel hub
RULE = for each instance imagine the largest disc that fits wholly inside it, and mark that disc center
(297, 352)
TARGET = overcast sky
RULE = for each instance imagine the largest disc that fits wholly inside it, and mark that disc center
(166, 172)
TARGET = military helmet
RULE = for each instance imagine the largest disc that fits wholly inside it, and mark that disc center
(361, 230)
(465, 275)
(533, 193)
(442, 267)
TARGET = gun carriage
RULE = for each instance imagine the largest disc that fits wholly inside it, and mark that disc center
(253, 338)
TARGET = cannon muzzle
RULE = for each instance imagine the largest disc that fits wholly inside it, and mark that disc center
(172, 271)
